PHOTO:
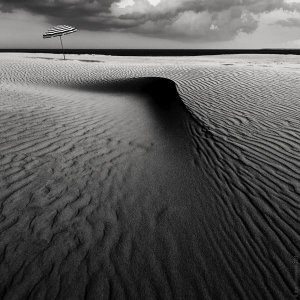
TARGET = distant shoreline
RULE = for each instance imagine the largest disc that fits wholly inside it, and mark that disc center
(159, 52)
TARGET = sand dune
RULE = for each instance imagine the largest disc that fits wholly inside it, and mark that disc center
(149, 178)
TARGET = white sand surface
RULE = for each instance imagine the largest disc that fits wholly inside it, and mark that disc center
(149, 178)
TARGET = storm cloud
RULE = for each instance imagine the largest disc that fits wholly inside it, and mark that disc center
(290, 22)
(211, 20)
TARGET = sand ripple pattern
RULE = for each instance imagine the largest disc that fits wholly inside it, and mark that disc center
(69, 226)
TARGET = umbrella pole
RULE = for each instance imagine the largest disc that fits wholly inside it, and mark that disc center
(62, 46)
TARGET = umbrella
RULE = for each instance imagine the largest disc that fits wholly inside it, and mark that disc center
(59, 30)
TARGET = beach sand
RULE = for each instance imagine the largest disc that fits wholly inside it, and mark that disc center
(149, 178)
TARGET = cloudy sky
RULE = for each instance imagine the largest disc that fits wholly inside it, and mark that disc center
(152, 23)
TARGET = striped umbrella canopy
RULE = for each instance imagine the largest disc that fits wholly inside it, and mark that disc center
(59, 30)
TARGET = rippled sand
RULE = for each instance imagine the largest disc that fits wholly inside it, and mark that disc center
(149, 178)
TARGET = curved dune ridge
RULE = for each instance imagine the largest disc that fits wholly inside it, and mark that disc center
(150, 179)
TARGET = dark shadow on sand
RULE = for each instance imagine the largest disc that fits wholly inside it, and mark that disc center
(162, 91)
(161, 95)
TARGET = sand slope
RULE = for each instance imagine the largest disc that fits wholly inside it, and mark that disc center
(149, 178)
